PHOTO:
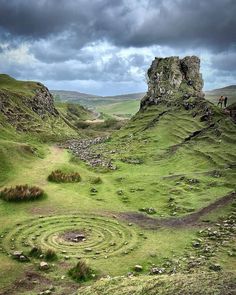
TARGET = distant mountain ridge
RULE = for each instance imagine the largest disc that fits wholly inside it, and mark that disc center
(230, 88)
(74, 96)
(229, 91)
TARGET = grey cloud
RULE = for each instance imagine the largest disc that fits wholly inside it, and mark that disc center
(176, 23)
(225, 62)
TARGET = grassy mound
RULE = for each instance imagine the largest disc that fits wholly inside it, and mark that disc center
(21, 193)
(81, 272)
(59, 176)
(193, 284)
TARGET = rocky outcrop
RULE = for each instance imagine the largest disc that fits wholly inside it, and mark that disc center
(171, 79)
(21, 108)
(42, 103)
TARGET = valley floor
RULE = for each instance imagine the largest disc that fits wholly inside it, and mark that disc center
(134, 242)
(164, 204)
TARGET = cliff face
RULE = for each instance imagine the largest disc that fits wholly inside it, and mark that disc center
(42, 103)
(29, 107)
(173, 78)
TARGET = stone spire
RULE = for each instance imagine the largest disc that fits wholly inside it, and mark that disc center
(172, 78)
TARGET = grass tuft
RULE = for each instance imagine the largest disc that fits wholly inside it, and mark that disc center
(81, 272)
(59, 176)
(96, 180)
(50, 255)
(21, 193)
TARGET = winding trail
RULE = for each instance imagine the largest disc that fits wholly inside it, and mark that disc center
(184, 221)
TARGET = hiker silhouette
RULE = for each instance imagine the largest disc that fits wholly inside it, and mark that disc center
(225, 101)
(221, 100)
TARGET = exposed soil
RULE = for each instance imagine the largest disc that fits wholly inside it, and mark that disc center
(30, 280)
(36, 282)
(75, 236)
(188, 220)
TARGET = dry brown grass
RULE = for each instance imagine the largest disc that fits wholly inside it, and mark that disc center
(60, 176)
(21, 193)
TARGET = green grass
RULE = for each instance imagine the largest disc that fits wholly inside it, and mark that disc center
(164, 172)
(193, 284)
(18, 114)
(20, 87)
(123, 109)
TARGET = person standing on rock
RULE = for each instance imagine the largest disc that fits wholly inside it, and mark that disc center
(221, 100)
(225, 101)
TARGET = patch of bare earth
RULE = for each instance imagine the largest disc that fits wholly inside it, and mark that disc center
(187, 220)
(28, 282)
(37, 282)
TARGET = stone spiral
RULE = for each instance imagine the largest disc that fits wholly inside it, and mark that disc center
(103, 237)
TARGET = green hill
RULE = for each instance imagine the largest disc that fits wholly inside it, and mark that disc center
(229, 91)
(123, 106)
(28, 107)
(154, 211)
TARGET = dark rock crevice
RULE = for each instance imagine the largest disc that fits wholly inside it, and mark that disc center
(192, 136)
(154, 121)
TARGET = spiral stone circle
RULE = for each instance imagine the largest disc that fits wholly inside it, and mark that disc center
(102, 237)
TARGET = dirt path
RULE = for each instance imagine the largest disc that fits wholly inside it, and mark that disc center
(188, 220)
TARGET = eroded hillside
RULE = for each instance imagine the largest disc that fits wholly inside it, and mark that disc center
(152, 205)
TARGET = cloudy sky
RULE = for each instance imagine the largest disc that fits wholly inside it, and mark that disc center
(105, 46)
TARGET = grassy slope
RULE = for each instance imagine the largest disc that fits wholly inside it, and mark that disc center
(122, 109)
(195, 284)
(147, 185)
(229, 91)
(19, 94)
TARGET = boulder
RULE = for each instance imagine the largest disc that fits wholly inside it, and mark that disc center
(138, 268)
(43, 265)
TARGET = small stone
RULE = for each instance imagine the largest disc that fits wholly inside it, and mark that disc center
(196, 244)
(215, 267)
(43, 265)
(156, 270)
(17, 254)
(23, 258)
(138, 268)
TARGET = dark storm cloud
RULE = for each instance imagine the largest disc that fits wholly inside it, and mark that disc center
(125, 23)
(114, 40)
(225, 62)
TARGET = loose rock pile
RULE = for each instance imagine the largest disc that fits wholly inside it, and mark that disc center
(82, 149)
(218, 237)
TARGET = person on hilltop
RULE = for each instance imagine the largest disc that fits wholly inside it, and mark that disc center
(221, 100)
(225, 101)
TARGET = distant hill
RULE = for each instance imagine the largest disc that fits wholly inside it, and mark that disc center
(127, 105)
(229, 91)
(75, 96)
(72, 96)
(123, 106)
